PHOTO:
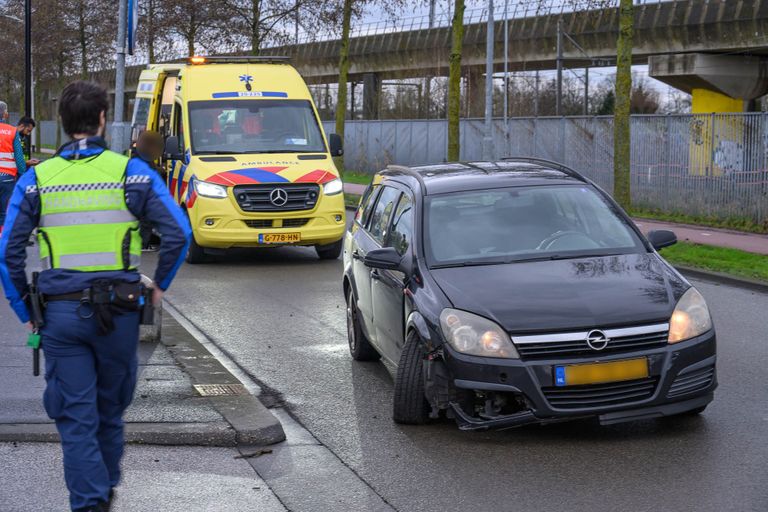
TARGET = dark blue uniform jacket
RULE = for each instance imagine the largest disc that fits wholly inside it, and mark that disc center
(147, 198)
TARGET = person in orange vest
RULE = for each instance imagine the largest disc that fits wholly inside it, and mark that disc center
(12, 163)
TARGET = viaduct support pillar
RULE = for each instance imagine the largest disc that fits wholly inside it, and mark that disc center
(371, 95)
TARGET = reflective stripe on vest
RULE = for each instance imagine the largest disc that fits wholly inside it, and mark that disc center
(89, 260)
(7, 157)
(82, 218)
(85, 223)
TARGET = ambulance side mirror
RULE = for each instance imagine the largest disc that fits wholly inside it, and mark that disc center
(172, 148)
(337, 145)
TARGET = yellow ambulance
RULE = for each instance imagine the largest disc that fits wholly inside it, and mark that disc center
(245, 154)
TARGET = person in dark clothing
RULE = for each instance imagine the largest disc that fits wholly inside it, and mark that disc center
(86, 204)
(149, 148)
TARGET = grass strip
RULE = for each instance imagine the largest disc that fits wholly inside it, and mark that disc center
(359, 178)
(718, 259)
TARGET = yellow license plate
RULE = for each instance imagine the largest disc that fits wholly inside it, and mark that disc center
(598, 373)
(279, 238)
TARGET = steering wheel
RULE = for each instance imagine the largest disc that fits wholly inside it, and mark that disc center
(552, 239)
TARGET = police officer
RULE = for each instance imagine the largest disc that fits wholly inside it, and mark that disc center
(86, 204)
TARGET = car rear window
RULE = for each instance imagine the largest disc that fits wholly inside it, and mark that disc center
(524, 223)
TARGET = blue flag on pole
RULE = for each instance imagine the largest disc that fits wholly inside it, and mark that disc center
(133, 22)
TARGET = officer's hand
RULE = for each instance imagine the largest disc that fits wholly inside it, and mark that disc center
(157, 296)
(33, 162)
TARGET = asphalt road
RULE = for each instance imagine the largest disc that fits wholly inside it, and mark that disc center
(280, 315)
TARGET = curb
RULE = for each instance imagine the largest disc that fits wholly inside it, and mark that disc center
(721, 278)
(170, 434)
(252, 422)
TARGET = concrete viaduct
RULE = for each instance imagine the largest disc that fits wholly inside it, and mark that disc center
(687, 43)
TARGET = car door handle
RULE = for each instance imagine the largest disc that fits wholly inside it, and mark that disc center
(355, 255)
(375, 275)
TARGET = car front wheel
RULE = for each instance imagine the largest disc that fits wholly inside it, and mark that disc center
(410, 404)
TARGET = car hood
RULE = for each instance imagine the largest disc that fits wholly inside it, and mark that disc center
(593, 292)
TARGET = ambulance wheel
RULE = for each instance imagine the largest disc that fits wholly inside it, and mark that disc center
(330, 251)
(196, 254)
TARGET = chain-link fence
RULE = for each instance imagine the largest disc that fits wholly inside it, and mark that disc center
(700, 164)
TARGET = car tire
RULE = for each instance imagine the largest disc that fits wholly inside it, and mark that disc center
(359, 347)
(410, 403)
(330, 251)
(196, 254)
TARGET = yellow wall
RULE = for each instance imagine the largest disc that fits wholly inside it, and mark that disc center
(706, 131)
(706, 102)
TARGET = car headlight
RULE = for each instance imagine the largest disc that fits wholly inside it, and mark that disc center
(690, 317)
(333, 187)
(475, 335)
(207, 189)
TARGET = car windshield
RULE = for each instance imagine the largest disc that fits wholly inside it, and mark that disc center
(523, 224)
(254, 126)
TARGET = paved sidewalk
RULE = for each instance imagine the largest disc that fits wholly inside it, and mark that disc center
(710, 236)
(155, 478)
(165, 409)
(696, 234)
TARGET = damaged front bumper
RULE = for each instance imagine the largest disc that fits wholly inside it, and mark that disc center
(682, 378)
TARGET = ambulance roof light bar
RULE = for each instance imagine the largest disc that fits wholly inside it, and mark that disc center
(237, 59)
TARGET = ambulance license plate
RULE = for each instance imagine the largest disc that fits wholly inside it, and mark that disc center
(600, 373)
(279, 238)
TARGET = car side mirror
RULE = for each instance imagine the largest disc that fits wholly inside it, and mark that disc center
(336, 144)
(385, 258)
(172, 148)
(661, 238)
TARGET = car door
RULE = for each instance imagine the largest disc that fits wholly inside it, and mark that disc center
(360, 245)
(387, 285)
(370, 238)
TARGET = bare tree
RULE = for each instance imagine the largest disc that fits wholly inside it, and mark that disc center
(259, 21)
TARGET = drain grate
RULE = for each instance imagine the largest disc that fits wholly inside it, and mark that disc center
(220, 389)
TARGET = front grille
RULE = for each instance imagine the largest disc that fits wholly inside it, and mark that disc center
(600, 395)
(553, 346)
(691, 382)
(294, 223)
(258, 223)
(256, 198)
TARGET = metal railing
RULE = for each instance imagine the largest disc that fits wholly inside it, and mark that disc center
(709, 164)
(516, 9)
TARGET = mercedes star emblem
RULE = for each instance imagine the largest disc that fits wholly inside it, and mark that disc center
(597, 340)
(278, 197)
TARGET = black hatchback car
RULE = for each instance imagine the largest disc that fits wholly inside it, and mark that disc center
(519, 292)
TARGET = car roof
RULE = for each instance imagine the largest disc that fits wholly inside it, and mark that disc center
(461, 176)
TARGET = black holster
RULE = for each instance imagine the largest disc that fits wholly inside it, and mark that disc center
(110, 298)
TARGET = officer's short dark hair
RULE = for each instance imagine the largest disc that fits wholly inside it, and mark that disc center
(26, 121)
(80, 107)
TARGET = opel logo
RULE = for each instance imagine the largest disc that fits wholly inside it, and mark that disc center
(278, 197)
(597, 340)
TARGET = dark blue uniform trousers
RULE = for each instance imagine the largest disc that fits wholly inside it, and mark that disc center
(90, 382)
(6, 190)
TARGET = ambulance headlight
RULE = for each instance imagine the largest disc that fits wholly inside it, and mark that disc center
(333, 187)
(206, 189)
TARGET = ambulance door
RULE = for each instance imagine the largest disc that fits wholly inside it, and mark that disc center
(177, 168)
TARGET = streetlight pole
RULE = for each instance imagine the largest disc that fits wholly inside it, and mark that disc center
(118, 135)
(488, 135)
(28, 68)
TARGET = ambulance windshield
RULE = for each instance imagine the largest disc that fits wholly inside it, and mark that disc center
(254, 126)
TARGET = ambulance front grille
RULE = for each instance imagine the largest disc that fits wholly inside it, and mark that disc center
(277, 197)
